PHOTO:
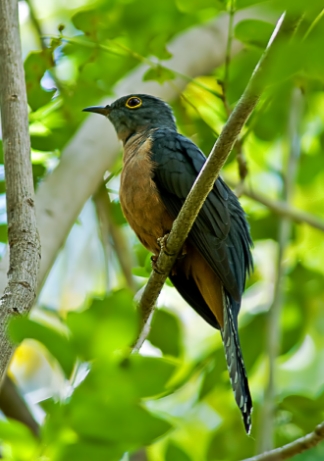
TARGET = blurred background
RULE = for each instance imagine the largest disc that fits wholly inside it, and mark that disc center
(175, 398)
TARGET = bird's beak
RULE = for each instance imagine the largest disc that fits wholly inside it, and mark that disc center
(98, 110)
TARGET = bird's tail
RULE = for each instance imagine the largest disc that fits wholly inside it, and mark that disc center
(235, 364)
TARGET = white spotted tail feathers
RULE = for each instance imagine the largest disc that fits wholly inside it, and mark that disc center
(235, 365)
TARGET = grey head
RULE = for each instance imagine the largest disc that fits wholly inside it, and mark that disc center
(136, 112)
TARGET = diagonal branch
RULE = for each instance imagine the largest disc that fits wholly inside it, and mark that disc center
(291, 449)
(272, 333)
(110, 229)
(205, 180)
(14, 406)
(23, 237)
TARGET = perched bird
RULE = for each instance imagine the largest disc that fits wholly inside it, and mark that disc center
(159, 168)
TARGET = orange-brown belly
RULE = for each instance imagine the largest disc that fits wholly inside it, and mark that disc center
(140, 199)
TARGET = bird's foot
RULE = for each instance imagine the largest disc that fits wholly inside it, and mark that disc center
(162, 242)
(183, 252)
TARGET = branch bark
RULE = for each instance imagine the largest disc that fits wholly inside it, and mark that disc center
(273, 336)
(109, 228)
(294, 448)
(14, 406)
(204, 182)
(23, 238)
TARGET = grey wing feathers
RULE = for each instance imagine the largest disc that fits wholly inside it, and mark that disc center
(221, 234)
(220, 231)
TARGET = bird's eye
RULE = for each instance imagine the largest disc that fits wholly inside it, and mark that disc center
(133, 102)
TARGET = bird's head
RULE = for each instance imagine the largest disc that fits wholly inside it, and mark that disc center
(133, 113)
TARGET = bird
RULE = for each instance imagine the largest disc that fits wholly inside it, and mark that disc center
(160, 166)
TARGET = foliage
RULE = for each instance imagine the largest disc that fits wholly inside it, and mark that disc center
(177, 401)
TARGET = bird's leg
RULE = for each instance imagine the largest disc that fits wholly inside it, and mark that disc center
(162, 241)
(154, 259)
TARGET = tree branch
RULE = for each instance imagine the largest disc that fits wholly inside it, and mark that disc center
(280, 207)
(205, 182)
(294, 448)
(23, 238)
(14, 406)
(273, 336)
(109, 227)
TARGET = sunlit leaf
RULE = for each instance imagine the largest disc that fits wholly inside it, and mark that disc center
(159, 73)
(254, 32)
(166, 333)
(57, 344)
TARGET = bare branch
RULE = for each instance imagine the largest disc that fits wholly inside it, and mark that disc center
(14, 406)
(109, 227)
(205, 182)
(273, 336)
(23, 238)
(291, 449)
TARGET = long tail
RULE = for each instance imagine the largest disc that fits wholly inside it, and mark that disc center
(235, 364)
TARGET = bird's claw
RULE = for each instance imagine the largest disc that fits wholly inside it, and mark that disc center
(162, 242)
(154, 259)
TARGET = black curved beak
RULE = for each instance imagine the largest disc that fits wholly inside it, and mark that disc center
(98, 110)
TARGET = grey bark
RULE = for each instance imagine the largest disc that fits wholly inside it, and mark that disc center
(23, 238)
(294, 448)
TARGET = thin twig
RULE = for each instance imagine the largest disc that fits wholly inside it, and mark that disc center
(240, 157)
(228, 55)
(36, 24)
(294, 448)
(129, 52)
(273, 336)
(23, 237)
(109, 228)
(205, 181)
(279, 207)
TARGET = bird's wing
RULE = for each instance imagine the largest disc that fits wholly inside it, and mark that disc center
(220, 232)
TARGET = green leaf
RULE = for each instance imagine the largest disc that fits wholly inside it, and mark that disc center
(1, 153)
(109, 325)
(173, 452)
(36, 64)
(214, 375)
(3, 233)
(140, 272)
(166, 333)
(86, 450)
(192, 6)
(158, 48)
(116, 213)
(128, 425)
(254, 32)
(245, 3)
(152, 383)
(23, 444)
(159, 73)
(59, 346)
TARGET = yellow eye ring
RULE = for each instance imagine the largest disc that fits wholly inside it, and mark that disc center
(133, 102)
